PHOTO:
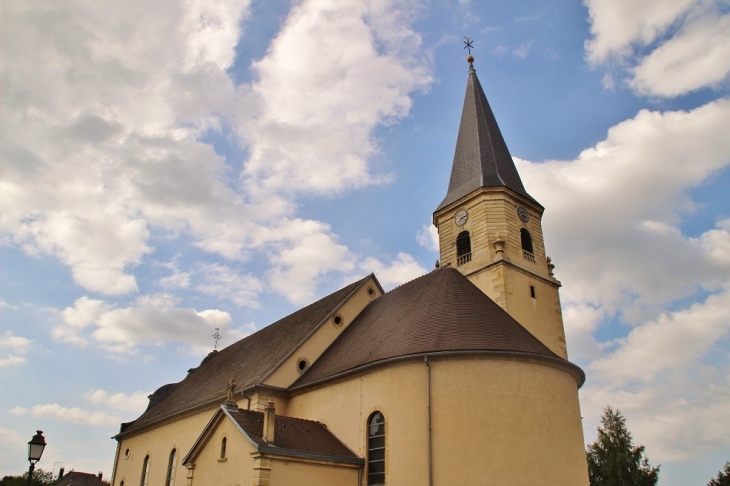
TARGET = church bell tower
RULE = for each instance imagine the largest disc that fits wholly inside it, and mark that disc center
(490, 227)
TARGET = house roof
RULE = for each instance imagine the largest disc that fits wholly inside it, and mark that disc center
(246, 361)
(292, 436)
(75, 478)
(482, 158)
(441, 311)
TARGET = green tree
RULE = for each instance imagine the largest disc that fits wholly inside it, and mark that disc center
(613, 460)
(723, 477)
(40, 478)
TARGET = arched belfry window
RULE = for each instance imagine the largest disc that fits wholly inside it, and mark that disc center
(527, 251)
(376, 449)
(463, 248)
(145, 471)
(171, 468)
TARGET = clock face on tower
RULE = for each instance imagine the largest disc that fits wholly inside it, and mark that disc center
(522, 213)
(461, 217)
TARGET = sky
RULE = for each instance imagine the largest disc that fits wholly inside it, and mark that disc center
(168, 168)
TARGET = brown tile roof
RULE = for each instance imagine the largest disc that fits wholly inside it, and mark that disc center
(440, 311)
(74, 478)
(482, 158)
(293, 435)
(246, 361)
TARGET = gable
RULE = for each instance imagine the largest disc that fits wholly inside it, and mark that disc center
(294, 437)
(208, 444)
(314, 344)
(247, 361)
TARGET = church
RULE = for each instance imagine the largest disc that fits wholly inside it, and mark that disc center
(460, 376)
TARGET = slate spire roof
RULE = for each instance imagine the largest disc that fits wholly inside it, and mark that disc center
(482, 158)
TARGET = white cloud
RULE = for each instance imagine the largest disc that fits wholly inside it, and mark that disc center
(664, 378)
(223, 282)
(12, 446)
(399, 271)
(298, 266)
(134, 403)
(581, 321)
(102, 134)
(672, 340)
(99, 126)
(177, 279)
(13, 349)
(428, 237)
(617, 24)
(73, 415)
(311, 133)
(670, 47)
(614, 229)
(153, 320)
(694, 58)
(612, 224)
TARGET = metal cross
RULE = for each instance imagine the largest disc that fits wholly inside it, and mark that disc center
(467, 42)
(217, 337)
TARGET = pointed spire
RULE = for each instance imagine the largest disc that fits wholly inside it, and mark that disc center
(481, 158)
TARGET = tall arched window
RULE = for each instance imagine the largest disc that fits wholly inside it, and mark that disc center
(527, 251)
(145, 471)
(171, 468)
(376, 449)
(223, 448)
(463, 248)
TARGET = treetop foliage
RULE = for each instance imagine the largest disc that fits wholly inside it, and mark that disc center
(40, 478)
(723, 477)
(613, 460)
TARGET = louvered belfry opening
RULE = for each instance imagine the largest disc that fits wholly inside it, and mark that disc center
(463, 248)
(527, 252)
(376, 449)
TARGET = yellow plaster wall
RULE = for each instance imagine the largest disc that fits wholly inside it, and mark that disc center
(288, 372)
(505, 422)
(294, 473)
(399, 392)
(158, 443)
(235, 470)
(542, 316)
(515, 422)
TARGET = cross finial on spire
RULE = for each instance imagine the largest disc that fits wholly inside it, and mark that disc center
(468, 46)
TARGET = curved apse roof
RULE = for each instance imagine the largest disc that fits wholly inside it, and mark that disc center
(439, 312)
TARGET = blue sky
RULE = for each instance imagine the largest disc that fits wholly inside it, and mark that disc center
(171, 168)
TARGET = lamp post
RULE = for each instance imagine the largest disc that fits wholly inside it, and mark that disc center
(35, 451)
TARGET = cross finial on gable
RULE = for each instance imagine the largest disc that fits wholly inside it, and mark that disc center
(231, 388)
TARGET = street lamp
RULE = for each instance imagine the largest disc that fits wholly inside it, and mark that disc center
(35, 451)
